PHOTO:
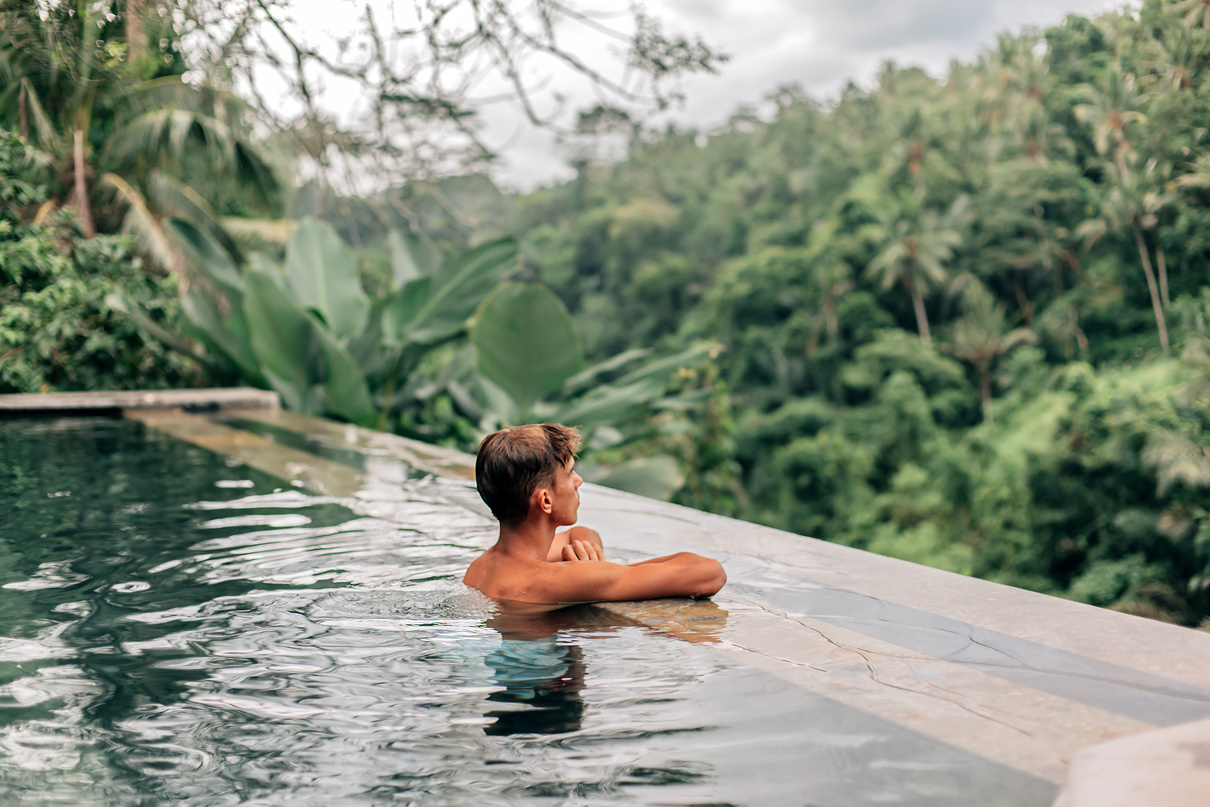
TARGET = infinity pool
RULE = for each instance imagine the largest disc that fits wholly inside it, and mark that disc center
(178, 626)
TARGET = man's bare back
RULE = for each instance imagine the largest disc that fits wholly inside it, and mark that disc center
(533, 563)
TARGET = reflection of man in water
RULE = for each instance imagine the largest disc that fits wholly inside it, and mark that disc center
(541, 669)
(526, 476)
(541, 675)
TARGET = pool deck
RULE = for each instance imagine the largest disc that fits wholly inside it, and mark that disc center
(1115, 706)
(191, 399)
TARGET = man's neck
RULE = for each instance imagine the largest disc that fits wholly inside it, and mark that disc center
(531, 537)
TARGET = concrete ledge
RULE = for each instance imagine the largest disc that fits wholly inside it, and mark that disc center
(1169, 767)
(208, 399)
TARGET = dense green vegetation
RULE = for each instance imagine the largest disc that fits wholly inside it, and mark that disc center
(963, 321)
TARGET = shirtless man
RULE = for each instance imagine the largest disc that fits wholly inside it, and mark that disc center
(526, 475)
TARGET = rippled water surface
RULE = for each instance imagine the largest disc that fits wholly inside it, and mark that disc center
(176, 627)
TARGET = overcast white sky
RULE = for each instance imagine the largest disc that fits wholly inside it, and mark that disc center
(820, 44)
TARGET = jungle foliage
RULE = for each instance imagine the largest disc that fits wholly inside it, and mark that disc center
(963, 320)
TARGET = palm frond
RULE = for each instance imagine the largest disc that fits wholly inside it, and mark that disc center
(274, 231)
(168, 135)
(1176, 458)
(172, 197)
(149, 229)
(43, 128)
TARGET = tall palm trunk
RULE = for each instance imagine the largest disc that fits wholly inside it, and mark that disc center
(23, 111)
(1162, 265)
(985, 390)
(1027, 306)
(1156, 306)
(922, 320)
(136, 41)
(79, 192)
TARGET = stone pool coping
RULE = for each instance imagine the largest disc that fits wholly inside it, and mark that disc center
(192, 399)
(1026, 680)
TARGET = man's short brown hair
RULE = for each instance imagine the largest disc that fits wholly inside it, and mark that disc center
(513, 463)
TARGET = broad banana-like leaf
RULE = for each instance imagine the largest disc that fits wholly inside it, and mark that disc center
(345, 391)
(275, 231)
(321, 273)
(656, 477)
(662, 369)
(608, 404)
(411, 257)
(366, 347)
(117, 302)
(230, 340)
(401, 309)
(457, 291)
(207, 256)
(282, 337)
(589, 376)
(526, 343)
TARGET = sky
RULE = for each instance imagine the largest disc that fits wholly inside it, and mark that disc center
(818, 44)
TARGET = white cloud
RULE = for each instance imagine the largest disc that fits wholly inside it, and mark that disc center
(819, 44)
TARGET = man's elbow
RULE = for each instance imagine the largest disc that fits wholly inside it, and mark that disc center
(710, 579)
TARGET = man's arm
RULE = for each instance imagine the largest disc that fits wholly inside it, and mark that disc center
(562, 548)
(681, 575)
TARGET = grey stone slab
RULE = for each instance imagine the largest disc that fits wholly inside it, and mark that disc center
(226, 398)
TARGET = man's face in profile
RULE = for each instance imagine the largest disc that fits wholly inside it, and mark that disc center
(566, 494)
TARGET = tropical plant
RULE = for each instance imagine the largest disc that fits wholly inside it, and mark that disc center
(106, 107)
(1132, 200)
(530, 366)
(308, 330)
(914, 245)
(982, 336)
(1113, 110)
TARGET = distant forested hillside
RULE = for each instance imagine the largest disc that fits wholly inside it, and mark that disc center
(963, 320)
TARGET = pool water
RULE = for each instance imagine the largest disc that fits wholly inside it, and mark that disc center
(177, 626)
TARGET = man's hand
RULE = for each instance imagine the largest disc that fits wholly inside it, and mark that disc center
(582, 550)
(561, 549)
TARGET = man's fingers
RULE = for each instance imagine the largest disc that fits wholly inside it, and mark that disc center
(581, 550)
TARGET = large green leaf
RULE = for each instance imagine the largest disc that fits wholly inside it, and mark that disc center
(232, 342)
(663, 369)
(607, 404)
(401, 309)
(345, 391)
(590, 376)
(457, 291)
(282, 339)
(657, 477)
(321, 274)
(411, 257)
(526, 343)
(208, 257)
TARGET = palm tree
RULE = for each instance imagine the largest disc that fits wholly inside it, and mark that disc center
(982, 336)
(1132, 202)
(829, 276)
(1176, 57)
(1174, 455)
(915, 243)
(1113, 110)
(1196, 13)
(84, 88)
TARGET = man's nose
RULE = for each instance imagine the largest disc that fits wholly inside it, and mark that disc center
(578, 479)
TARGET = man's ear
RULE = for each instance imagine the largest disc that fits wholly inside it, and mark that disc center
(542, 501)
